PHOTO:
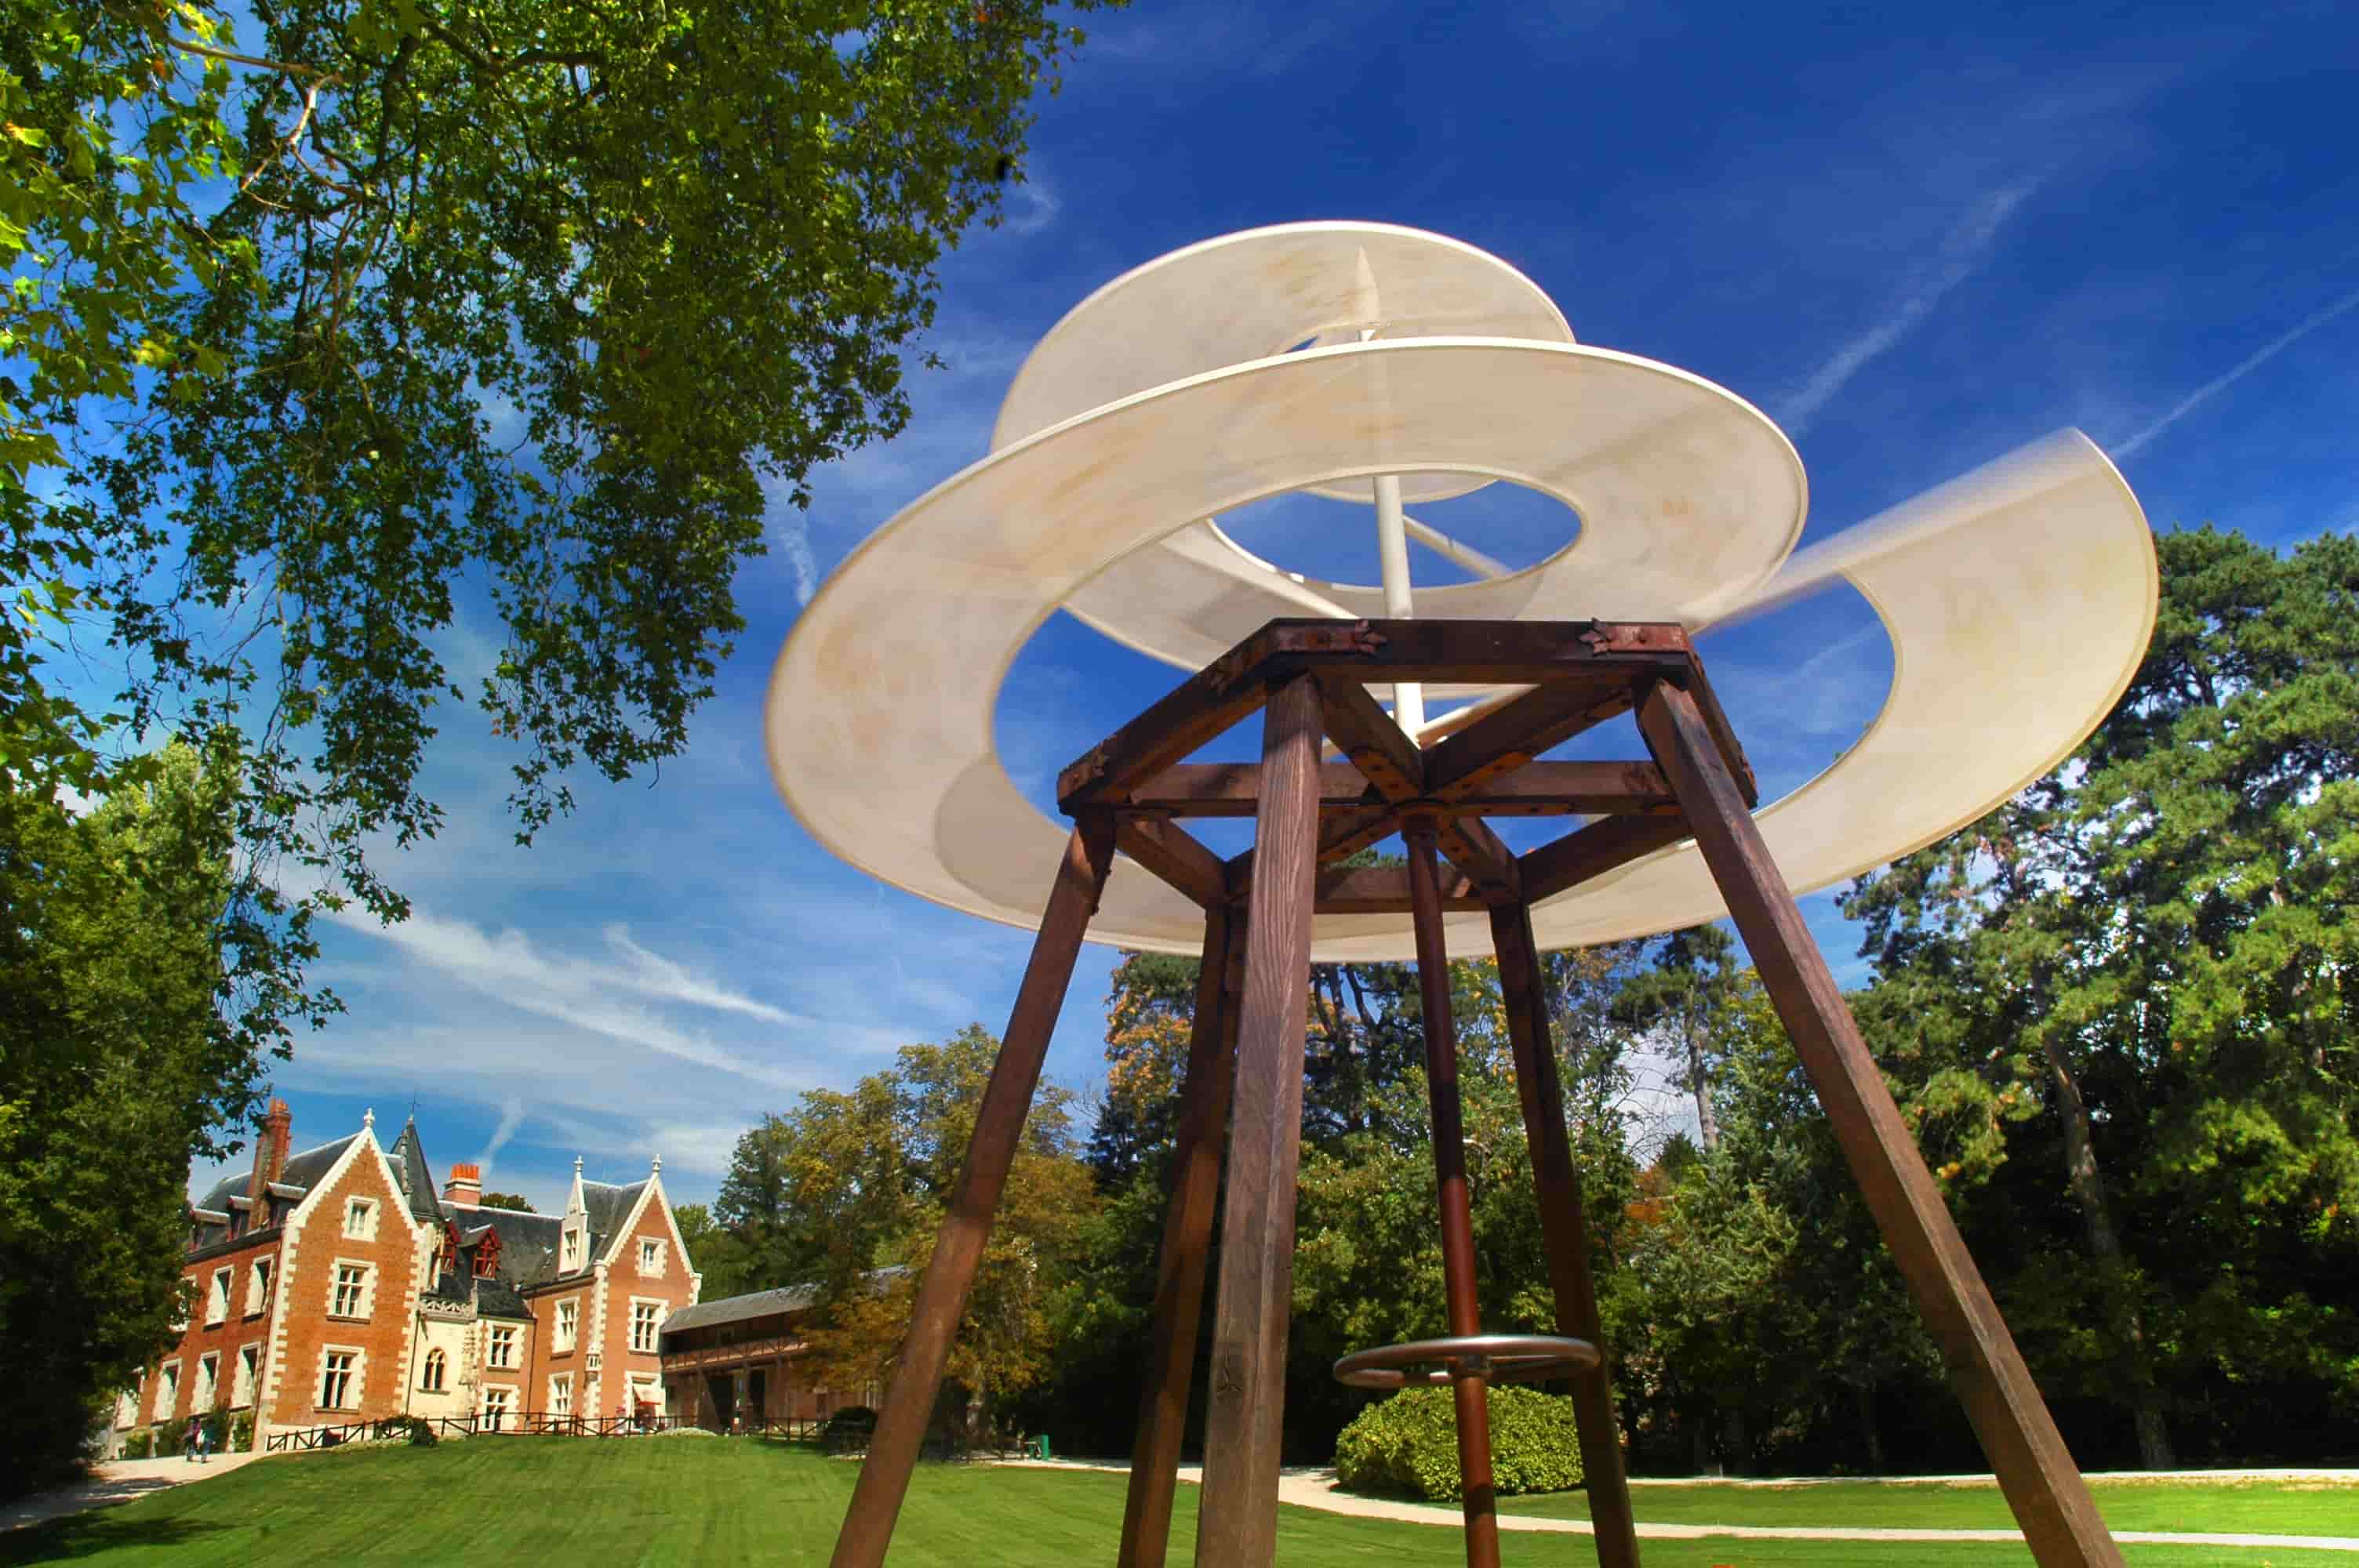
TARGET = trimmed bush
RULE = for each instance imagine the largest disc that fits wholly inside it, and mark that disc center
(241, 1431)
(848, 1430)
(1410, 1443)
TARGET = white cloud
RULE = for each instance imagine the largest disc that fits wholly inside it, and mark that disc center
(582, 993)
(656, 975)
(1963, 250)
(697, 1149)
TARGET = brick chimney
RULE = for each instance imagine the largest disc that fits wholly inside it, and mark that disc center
(465, 1188)
(269, 1153)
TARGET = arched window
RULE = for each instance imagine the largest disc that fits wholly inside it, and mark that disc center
(432, 1381)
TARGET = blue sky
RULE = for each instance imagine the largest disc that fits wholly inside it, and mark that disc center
(1917, 237)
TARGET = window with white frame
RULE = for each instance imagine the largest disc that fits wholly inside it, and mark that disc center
(504, 1344)
(257, 1287)
(437, 1366)
(646, 1317)
(127, 1407)
(560, 1394)
(573, 1248)
(360, 1219)
(569, 1321)
(498, 1400)
(208, 1379)
(651, 1258)
(180, 1306)
(249, 1364)
(339, 1379)
(168, 1390)
(350, 1298)
(217, 1298)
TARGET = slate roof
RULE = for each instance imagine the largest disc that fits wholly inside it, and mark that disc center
(408, 1157)
(309, 1168)
(608, 1208)
(530, 1244)
(760, 1304)
(738, 1308)
(492, 1298)
(228, 1187)
(304, 1170)
(527, 1243)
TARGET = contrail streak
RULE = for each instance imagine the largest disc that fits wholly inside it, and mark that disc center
(2242, 368)
(1963, 250)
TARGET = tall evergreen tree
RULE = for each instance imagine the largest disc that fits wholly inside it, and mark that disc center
(122, 1059)
(2138, 974)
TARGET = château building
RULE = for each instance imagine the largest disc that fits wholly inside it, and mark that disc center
(335, 1285)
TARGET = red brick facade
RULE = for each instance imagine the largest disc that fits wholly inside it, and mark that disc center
(231, 1326)
(640, 1275)
(381, 1299)
(353, 1258)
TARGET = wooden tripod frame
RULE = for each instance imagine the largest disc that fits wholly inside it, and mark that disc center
(1245, 1063)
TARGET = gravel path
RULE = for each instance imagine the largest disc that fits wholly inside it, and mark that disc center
(1316, 1489)
(116, 1482)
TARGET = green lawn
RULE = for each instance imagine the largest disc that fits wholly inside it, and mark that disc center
(2257, 1508)
(717, 1501)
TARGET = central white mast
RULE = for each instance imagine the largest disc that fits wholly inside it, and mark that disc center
(1392, 535)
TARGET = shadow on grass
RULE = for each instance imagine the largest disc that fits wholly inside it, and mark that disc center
(87, 1534)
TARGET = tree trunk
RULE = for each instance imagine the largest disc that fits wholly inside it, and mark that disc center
(2088, 1188)
(1865, 1397)
(1707, 1124)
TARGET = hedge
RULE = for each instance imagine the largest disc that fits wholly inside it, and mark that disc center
(1410, 1443)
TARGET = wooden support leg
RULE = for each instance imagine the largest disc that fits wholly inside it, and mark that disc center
(1564, 1227)
(999, 1124)
(2052, 1502)
(1471, 1395)
(1237, 1520)
(1187, 1247)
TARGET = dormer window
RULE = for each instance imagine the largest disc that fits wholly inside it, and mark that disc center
(572, 1250)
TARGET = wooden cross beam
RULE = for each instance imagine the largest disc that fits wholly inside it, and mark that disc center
(1575, 675)
(1607, 660)
(1536, 789)
(1134, 791)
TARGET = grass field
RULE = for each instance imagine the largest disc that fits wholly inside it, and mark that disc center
(2252, 1507)
(682, 1501)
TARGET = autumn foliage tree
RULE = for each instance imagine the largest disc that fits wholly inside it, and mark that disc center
(845, 1191)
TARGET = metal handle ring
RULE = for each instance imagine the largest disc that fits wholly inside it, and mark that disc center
(1494, 1358)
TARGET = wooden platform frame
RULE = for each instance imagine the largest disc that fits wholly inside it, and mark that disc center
(1310, 680)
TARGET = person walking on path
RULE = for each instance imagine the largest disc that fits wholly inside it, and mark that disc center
(193, 1442)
